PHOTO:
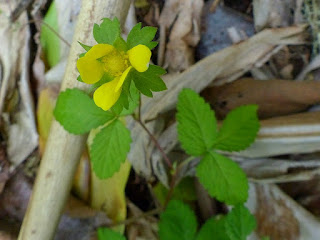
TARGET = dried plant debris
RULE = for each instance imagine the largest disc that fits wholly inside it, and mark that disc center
(278, 216)
(311, 12)
(274, 97)
(16, 100)
(180, 24)
(217, 26)
(276, 13)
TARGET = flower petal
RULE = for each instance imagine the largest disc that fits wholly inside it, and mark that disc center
(91, 70)
(122, 78)
(99, 50)
(106, 96)
(139, 57)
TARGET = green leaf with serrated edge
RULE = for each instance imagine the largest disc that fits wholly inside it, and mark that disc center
(109, 149)
(50, 42)
(142, 36)
(239, 129)
(132, 97)
(239, 223)
(108, 234)
(85, 47)
(213, 229)
(148, 81)
(77, 112)
(223, 178)
(197, 126)
(177, 222)
(107, 32)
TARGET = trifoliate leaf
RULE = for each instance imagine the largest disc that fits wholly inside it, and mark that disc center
(142, 36)
(148, 81)
(196, 123)
(239, 129)
(78, 113)
(50, 42)
(223, 178)
(239, 223)
(107, 32)
(213, 229)
(177, 222)
(108, 234)
(109, 149)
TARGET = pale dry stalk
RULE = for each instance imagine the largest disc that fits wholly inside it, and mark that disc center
(63, 150)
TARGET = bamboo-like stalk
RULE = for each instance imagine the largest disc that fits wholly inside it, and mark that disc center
(63, 150)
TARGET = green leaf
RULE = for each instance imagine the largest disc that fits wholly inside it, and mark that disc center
(85, 47)
(185, 191)
(108, 234)
(239, 223)
(213, 229)
(177, 222)
(133, 97)
(239, 129)
(77, 112)
(109, 149)
(223, 178)
(197, 126)
(148, 81)
(120, 44)
(107, 32)
(142, 36)
(50, 42)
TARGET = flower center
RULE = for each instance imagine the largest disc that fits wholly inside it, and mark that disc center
(115, 63)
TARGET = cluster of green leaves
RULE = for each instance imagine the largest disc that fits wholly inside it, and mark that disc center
(109, 32)
(77, 113)
(178, 222)
(200, 137)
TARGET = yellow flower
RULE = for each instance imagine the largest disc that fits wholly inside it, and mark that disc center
(104, 58)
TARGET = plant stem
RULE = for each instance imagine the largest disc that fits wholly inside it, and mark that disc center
(164, 155)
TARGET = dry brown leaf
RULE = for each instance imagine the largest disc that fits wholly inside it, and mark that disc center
(16, 100)
(274, 97)
(280, 217)
(182, 17)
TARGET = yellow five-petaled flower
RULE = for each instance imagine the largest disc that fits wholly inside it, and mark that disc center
(105, 58)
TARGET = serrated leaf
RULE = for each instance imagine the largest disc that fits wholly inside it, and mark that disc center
(223, 178)
(177, 222)
(108, 234)
(142, 36)
(107, 32)
(213, 229)
(239, 223)
(78, 113)
(50, 42)
(239, 129)
(148, 81)
(197, 126)
(109, 149)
